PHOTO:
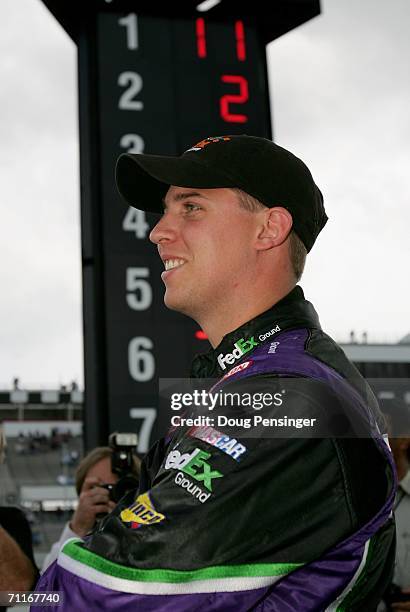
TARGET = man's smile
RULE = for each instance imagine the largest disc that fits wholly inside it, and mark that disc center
(170, 264)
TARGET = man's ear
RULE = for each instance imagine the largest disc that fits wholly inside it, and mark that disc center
(277, 224)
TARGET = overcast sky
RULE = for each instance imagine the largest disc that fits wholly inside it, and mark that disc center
(341, 99)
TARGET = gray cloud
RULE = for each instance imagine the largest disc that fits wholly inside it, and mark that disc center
(340, 99)
(40, 310)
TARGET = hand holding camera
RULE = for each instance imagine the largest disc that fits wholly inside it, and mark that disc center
(106, 482)
(94, 500)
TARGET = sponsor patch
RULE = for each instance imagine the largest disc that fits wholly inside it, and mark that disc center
(269, 333)
(191, 487)
(141, 512)
(238, 368)
(242, 347)
(207, 141)
(193, 464)
(272, 348)
(212, 436)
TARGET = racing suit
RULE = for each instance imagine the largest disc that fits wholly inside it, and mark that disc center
(279, 523)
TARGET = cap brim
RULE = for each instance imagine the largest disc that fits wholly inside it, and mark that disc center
(143, 180)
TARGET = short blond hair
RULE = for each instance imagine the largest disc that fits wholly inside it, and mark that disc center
(297, 250)
(93, 457)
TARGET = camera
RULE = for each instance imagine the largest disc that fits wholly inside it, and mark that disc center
(109, 488)
(123, 447)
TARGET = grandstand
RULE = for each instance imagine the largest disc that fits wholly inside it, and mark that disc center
(43, 430)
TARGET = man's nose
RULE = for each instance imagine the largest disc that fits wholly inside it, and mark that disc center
(163, 230)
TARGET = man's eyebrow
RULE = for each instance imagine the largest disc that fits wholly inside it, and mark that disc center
(183, 196)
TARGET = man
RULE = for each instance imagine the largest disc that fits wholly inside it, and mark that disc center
(93, 500)
(264, 521)
(92, 476)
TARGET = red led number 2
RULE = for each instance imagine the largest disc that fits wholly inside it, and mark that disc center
(242, 95)
(239, 98)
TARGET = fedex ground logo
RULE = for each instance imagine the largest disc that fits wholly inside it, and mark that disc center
(194, 464)
(241, 348)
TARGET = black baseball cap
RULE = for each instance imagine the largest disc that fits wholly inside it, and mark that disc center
(256, 165)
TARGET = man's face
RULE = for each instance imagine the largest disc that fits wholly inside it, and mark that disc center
(205, 239)
(102, 471)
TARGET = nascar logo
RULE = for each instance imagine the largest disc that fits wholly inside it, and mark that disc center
(212, 436)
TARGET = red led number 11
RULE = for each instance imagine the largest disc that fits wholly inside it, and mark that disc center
(243, 91)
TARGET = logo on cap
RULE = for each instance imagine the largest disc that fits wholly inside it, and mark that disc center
(207, 141)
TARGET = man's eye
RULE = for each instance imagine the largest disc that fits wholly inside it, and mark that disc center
(191, 207)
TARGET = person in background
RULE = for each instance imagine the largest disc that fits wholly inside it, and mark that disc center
(397, 414)
(93, 471)
(18, 571)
